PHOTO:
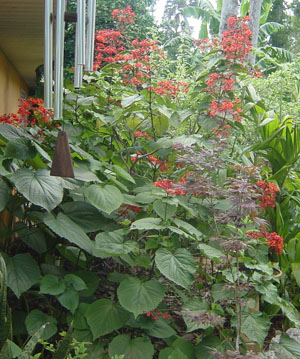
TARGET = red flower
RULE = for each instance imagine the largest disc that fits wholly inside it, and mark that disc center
(168, 185)
(142, 134)
(268, 195)
(273, 239)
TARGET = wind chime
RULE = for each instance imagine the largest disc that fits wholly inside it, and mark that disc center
(84, 55)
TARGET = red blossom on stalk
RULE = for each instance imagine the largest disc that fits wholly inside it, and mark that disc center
(31, 112)
(155, 314)
(124, 15)
(273, 239)
(168, 186)
(268, 194)
(236, 41)
(142, 134)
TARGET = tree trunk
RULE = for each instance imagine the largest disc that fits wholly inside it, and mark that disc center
(255, 9)
(229, 8)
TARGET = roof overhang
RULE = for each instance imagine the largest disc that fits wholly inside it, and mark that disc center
(22, 35)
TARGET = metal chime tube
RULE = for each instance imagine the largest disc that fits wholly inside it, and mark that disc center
(59, 59)
(90, 38)
(48, 54)
(80, 43)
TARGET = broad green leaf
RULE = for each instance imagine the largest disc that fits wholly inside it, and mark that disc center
(11, 132)
(22, 273)
(177, 354)
(91, 280)
(89, 218)
(161, 124)
(131, 348)
(39, 187)
(137, 296)
(103, 317)
(107, 198)
(164, 209)
(296, 272)
(15, 349)
(290, 312)
(129, 100)
(221, 291)
(124, 174)
(205, 347)
(194, 306)
(178, 267)
(133, 123)
(69, 299)
(147, 223)
(64, 227)
(255, 326)
(4, 194)
(21, 149)
(210, 251)
(113, 244)
(288, 346)
(187, 227)
(74, 281)
(36, 318)
(161, 329)
(34, 238)
(52, 284)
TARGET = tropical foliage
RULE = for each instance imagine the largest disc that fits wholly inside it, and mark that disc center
(178, 237)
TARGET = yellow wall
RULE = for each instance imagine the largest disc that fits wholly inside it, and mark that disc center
(12, 86)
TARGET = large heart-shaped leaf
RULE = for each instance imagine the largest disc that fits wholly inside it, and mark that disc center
(256, 327)
(103, 317)
(178, 267)
(35, 319)
(113, 244)
(52, 284)
(107, 198)
(131, 349)
(147, 223)
(39, 187)
(20, 148)
(194, 306)
(85, 215)
(11, 132)
(22, 273)
(64, 227)
(137, 296)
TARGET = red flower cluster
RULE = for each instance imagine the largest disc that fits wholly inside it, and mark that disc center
(219, 83)
(154, 160)
(124, 15)
(30, 113)
(268, 196)
(126, 208)
(168, 186)
(169, 87)
(142, 134)
(225, 109)
(236, 41)
(156, 313)
(273, 239)
(108, 45)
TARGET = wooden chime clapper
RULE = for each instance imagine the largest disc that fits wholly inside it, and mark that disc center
(84, 55)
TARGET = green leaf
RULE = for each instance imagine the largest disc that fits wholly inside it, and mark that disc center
(177, 354)
(34, 238)
(137, 296)
(210, 251)
(288, 346)
(39, 187)
(20, 149)
(255, 326)
(35, 319)
(76, 282)
(131, 349)
(178, 267)
(15, 349)
(164, 209)
(161, 125)
(69, 299)
(52, 284)
(107, 198)
(129, 100)
(147, 223)
(30, 345)
(194, 306)
(89, 218)
(64, 227)
(22, 273)
(11, 132)
(113, 244)
(296, 272)
(91, 280)
(4, 194)
(187, 227)
(103, 317)
(161, 329)
(124, 174)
